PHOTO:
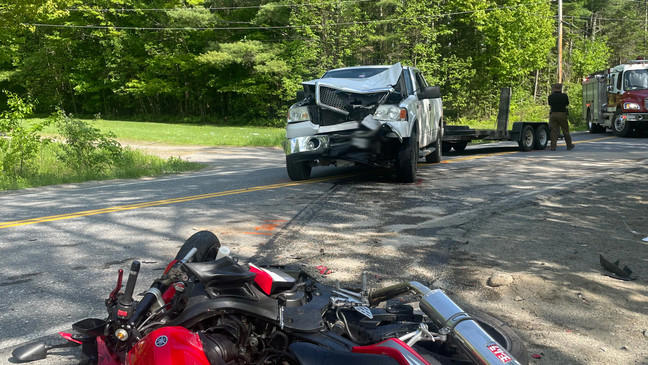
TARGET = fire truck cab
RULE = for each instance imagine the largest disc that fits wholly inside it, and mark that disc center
(617, 98)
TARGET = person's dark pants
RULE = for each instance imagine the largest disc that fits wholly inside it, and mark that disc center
(558, 121)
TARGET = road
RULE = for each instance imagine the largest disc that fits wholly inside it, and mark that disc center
(64, 244)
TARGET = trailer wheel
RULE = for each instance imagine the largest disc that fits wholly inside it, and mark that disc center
(527, 138)
(541, 137)
(460, 146)
(446, 147)
(621, 127)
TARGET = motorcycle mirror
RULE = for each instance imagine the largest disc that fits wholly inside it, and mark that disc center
(30, 352)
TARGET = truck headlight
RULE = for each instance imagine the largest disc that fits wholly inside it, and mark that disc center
(390, 112)
(631, 106)
(298, 114)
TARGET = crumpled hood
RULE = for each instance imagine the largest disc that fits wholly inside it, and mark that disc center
(384, 81)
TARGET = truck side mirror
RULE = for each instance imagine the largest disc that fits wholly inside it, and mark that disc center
(430, 92)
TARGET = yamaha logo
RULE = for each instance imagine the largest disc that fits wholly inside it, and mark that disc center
(161, 341)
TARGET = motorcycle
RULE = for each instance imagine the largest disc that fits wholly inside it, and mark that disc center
(207, 308)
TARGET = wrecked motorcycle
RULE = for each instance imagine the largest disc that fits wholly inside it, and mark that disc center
(207, 308)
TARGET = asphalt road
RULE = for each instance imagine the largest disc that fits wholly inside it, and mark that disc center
(62, 245)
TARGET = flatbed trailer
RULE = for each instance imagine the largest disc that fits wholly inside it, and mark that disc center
(528, 135)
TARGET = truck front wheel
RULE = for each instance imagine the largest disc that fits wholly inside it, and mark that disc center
(408, 158)
(298, 170)
(620, 126)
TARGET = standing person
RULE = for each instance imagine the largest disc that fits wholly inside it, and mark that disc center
(558, 102)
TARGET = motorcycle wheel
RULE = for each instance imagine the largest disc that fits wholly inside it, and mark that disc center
(207, 244)
(496, 328)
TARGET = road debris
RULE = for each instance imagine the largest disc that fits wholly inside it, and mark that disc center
(500, 279)
(536, 356)
(323, 270)
(615, 269)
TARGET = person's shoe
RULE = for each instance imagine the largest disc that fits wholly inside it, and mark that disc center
(569, 148)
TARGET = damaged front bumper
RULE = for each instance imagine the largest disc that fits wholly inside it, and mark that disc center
(362, 142)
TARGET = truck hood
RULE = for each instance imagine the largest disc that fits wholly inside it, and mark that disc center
(384, 81)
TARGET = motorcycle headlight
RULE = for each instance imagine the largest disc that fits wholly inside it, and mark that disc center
(298, 114)
(390, 112)
(631, 106)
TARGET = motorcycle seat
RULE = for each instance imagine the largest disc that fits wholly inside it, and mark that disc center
(221, 272)
(310, 354)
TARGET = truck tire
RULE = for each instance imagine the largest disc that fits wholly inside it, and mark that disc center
(527, 138)
(298, 170)
(591, 126)
(435, 157)
(460, 146)
(407, 159)
(541, 137)
(620, 126)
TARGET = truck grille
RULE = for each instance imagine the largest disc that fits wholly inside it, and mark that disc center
(332, 98)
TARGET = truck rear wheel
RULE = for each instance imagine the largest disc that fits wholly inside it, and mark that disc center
(435, 157)
(527, 138)
(298, 170)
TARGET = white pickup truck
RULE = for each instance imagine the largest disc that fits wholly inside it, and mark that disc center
(383, 116)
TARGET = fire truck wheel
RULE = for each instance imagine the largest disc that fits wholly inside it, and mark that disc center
(621, 127)
(527, 138)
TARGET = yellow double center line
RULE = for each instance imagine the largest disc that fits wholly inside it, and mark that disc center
(121, 208)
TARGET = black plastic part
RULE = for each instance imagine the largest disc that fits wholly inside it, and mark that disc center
(309, 354)
(127, 298)
(207, 244)
(30, 352)
(221, 272)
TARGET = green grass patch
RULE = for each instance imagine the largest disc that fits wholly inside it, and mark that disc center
(46, 169)
(186, 134)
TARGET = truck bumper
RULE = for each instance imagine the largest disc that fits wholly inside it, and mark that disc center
(636, 117)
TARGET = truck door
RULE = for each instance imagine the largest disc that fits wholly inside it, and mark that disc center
(424, 105)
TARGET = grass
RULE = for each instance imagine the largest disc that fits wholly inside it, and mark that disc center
(46, 169)
(186, 134)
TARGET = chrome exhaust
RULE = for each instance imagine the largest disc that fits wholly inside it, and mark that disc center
(452, 321)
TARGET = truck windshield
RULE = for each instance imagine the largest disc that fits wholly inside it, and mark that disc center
(354, 73)
(636, 80)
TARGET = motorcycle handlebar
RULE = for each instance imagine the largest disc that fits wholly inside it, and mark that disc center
(127, 298)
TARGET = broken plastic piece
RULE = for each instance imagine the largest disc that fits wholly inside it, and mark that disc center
(323, 270)
(536, 356)
(614, 268)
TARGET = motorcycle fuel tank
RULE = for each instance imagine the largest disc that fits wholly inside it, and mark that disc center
(167, 346)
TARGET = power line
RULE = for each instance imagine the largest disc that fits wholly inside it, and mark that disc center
(105, 10)
(271, 27)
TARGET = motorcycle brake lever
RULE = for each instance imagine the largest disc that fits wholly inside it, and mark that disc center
(113, 294)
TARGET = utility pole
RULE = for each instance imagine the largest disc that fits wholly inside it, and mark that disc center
(560, 34)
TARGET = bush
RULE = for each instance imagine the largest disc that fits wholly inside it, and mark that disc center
(86, 148)
(19, 144)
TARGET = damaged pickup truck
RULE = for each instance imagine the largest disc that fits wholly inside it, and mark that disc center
(382, 116)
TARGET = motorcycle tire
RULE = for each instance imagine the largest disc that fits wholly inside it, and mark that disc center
(207, 244)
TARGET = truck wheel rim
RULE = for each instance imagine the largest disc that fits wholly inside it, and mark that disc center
(528, 138)
(619, 124)
(542, 137)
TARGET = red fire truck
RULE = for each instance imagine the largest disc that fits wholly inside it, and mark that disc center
(617, 98)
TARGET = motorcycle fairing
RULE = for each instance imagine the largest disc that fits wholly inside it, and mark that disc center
(168, 346)
(310, 354)
(396, 349)
(271, 281)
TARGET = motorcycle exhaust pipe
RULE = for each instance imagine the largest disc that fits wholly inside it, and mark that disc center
(451, 320)
(469, 335)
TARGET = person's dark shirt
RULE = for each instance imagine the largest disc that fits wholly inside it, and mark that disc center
(558, 102)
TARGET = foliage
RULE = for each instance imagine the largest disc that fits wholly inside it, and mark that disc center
(213, 62)
(19, 143)
(85, 148)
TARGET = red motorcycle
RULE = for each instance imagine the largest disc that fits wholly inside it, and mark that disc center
(207, 309)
